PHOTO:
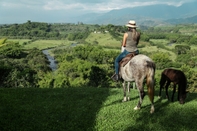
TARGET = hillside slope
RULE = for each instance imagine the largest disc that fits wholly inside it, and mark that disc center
(146, 15)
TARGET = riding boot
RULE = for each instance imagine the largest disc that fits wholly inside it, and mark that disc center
(115, 77)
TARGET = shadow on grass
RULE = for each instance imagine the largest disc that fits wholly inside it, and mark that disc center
(121, 101)
(66, 109)
(190, 96)
(168, 116)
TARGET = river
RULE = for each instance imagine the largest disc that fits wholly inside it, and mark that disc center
(53, 63)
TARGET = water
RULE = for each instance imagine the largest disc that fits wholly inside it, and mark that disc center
(53, 63)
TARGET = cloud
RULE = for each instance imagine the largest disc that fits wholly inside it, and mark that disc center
(12, 10)
(104, 6)
(60, 5)
(85, 5)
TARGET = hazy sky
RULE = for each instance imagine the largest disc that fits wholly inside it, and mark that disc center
(19, 11)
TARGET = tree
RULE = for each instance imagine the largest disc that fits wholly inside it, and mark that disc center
(162, 60)
(173, 37)
(37, 61)
(11, 49)
(181, 49)
(144, 37)
(15, 74)
(3, 41)
(186, 58)
(86, 65)
(193, 41)
(183, 39)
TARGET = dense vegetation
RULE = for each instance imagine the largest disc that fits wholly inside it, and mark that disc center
(88, 63)
(56, 100)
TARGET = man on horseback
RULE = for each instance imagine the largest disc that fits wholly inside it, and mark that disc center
(130, 41)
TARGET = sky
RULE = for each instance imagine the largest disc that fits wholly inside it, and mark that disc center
(65, 11)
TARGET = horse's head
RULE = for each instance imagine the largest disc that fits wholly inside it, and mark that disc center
(182, 98)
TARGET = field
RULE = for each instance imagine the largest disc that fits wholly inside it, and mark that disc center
(91, 109)
(103, 39)
(107, 40)
(20, 41)
(42, 44)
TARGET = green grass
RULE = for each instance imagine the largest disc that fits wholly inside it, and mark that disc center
(107, 41)
(91, 109)
(20, 41)
(103, 39)
(44, 44)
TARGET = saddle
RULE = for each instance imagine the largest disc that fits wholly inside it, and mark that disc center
(126, 59)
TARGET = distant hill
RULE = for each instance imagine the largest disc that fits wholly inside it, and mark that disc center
(189, 20)
(152, 15)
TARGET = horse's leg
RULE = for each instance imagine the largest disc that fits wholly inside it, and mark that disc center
(133, 85)
(166, 87)
(161, 83)
(174, 90)
(128, 90)
(124, 91)
(179, 86)
(141, 93)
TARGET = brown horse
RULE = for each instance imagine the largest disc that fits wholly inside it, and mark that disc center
(177, 77)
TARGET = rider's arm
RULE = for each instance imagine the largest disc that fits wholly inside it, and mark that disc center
(124, 39)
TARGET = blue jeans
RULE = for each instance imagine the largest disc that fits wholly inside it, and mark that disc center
(119, 58)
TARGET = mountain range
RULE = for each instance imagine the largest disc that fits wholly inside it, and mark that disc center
(153, 15)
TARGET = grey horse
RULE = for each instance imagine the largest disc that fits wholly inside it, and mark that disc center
(140, 67)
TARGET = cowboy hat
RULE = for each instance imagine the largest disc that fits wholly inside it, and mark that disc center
(131, 24)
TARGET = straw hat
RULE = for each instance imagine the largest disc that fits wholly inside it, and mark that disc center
(131, 24)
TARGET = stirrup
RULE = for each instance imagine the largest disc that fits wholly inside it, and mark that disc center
(115, 77)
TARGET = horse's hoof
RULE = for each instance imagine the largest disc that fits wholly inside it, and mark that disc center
(151, 112)
(152, 109)
(137, 108)
(124, 100)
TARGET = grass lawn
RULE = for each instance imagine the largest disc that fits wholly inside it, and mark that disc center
(155, 49)
(91, 109)
(103, 39)
(107, 41)
(43, 44)
(20, 41)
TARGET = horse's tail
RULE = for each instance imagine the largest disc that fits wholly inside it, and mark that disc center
(150, 80)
